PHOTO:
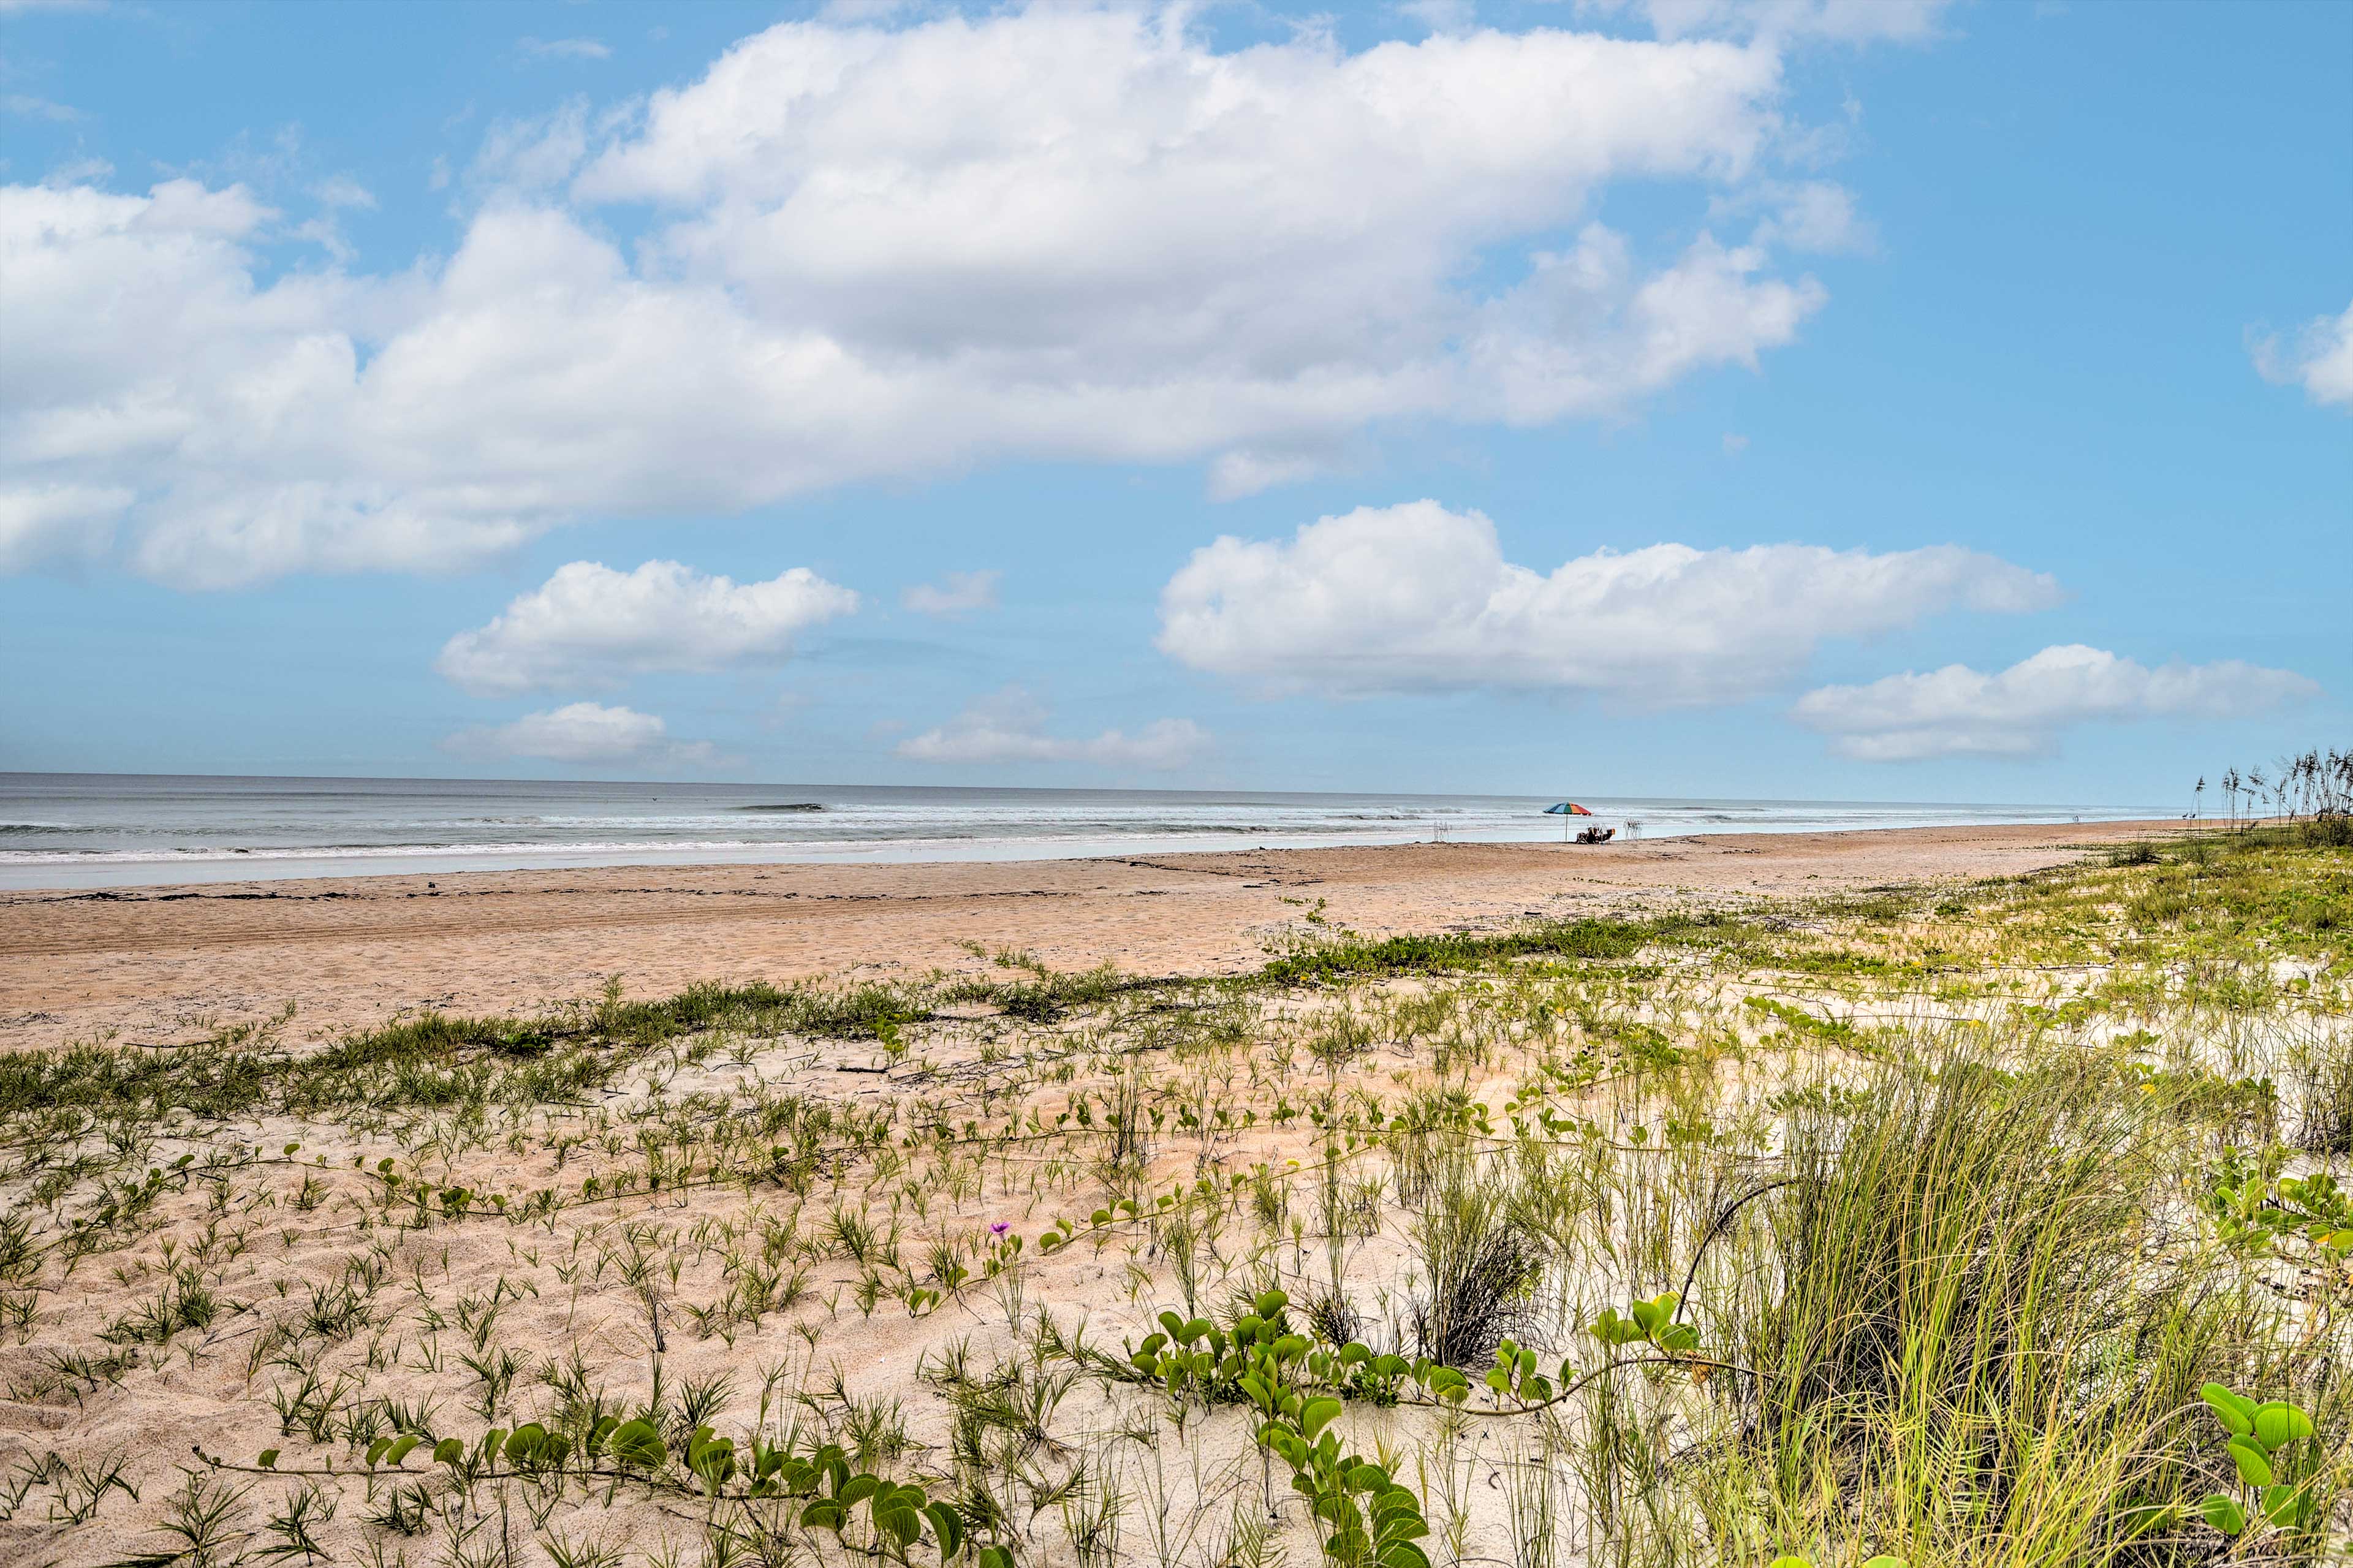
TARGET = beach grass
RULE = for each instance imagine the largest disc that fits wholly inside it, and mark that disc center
(1966, 1224)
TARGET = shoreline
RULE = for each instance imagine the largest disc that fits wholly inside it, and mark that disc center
(65, 872)
(173, 962)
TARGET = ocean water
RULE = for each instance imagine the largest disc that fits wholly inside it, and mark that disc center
(84, 830)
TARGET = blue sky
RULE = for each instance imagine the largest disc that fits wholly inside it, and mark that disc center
(1806, 398)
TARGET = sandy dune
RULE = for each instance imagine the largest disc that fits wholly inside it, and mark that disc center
(163, 965)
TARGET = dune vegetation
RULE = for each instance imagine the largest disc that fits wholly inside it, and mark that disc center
(1978, 1224)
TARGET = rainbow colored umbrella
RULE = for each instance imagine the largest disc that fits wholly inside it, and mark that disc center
(1566, 808)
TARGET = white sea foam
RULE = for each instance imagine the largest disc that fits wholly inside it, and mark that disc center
(96, 831)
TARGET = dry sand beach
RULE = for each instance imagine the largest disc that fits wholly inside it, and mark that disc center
(156, 965)
(648, 1283)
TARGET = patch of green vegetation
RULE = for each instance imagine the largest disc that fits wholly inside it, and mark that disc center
(1049, 995)
(211, 1083)
(1454, 953)
(2297, 899)
(1840, 960)
(1799, 1021)
(1876, 905)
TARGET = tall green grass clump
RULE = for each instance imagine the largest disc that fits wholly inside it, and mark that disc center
(1479, 1265)
(1975, 1321)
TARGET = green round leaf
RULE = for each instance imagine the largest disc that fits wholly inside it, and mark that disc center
(2254, 1468)
(2277, 1424)
(638, 1444)
(2236, 1412)
(524, 1444)
(947, 1528)
(2222, 1512)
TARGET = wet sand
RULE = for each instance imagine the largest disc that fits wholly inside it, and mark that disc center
(162, 965)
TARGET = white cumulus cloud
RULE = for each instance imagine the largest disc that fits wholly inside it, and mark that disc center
(1245, 473)
(1011, 727)
(2319, 358)
(1417, 598)
(588, 733)
(1814, 217)
(589, 623)
(1061, 232)
(1843, 21)
(956, 593)
(55, 521)
(2020, 711)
